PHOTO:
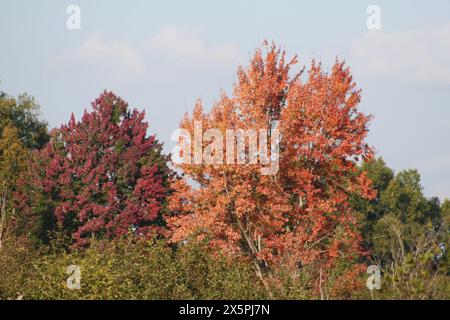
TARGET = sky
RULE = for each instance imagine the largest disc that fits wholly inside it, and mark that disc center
(161, 56)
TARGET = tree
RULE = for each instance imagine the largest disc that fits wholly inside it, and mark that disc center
(399, 196)
(417, 268)
(23, 114)
(372, 210)
(13, 156)
(20, 131)
(101, 177)
(445, 211)
(298, 215)
(407, 234)
(405, 199)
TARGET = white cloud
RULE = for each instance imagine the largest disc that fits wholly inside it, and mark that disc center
(188, 47)
(116, 56)
(421, 56)
(171, 45)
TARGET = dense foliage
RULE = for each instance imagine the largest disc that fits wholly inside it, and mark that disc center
(101, 177)
(21, 130)
(300, 215)
(22, 113)
(99, 194)
(125, 269)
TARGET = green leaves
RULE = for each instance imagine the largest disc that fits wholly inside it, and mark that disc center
(23, 114)
(127, 269)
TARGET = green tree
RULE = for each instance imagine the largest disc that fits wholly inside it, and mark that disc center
(406, 232)
(445, 211)
(417, 267)
(372, 210)
(20, 131)
(22, 113)
(13, 157)
(405, 199)
(399, 196)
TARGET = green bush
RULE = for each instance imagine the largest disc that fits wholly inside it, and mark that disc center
(131, 269)
(126, 269)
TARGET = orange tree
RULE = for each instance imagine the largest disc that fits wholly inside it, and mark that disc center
(296, 216)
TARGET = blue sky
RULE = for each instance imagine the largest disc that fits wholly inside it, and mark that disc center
(162, 56)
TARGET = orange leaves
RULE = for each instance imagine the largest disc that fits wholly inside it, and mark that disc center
(261, 89)
(301, 213)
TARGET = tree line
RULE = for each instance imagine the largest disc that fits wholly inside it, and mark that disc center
(99, 193)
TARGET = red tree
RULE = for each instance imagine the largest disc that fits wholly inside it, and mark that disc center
(100, 177)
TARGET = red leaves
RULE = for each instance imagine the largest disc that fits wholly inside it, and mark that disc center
(99, 173)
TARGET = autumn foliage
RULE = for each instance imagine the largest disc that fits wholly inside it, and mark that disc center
(273, 193)
(300, 216)
(101, 177)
